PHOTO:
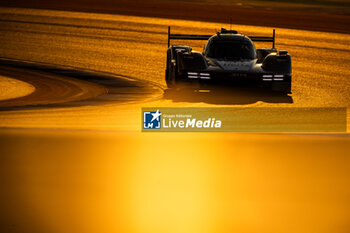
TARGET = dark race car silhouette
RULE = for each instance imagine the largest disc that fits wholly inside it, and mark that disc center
(228, 57)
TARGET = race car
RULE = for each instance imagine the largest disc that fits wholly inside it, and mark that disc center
(228, 57)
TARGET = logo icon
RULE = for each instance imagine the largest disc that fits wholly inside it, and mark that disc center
(151, 120)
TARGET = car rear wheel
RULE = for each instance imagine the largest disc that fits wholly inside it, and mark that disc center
(170, 78)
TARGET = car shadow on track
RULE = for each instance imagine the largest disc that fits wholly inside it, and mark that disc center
(228, 95)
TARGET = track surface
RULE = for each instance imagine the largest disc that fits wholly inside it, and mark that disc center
(62, 86)
(13, 88)
(331, 17)
(89, 169)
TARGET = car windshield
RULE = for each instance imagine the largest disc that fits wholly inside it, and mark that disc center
(231, 50)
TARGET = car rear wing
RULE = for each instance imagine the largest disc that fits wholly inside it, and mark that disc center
(206, 37)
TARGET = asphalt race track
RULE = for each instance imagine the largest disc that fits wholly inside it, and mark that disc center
(73, 158)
